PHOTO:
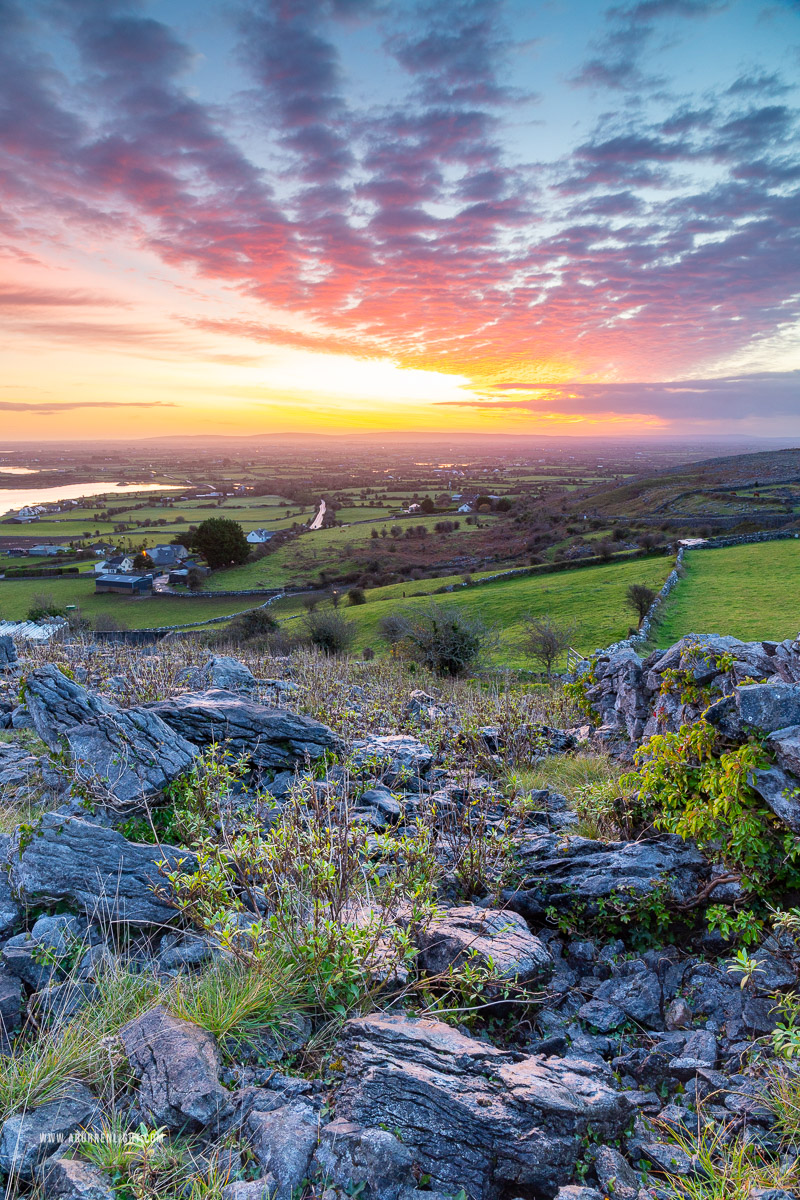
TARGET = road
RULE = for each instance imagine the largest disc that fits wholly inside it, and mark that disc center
(318, 519)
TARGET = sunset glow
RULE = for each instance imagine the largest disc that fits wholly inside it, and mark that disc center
(322, 215)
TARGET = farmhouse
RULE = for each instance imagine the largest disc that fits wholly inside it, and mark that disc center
(259, 537)
(46, 550)
(167, 556)
(126, 585)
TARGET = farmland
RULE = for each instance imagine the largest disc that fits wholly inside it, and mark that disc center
(591, 599)
(750, 592)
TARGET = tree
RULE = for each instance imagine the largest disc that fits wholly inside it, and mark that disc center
(142, 561)
(329, 631)
(222, 542)
(427, 505)
(545, 640)
(356, 596)
(445, 639)
(639, 597)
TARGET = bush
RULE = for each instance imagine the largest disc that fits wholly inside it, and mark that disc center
(445, 639)
(393, 627)
(329, 631)
(356, 596)
(105, 623)
(43, 605)
(247, 626)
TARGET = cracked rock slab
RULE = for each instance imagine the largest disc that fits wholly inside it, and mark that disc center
(474, 1117)
(94, 869)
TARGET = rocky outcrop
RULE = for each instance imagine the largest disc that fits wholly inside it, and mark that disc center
(130, 753)
(271, 738)
(472, 1116)
(349, 1155)
(564, 870)
(9, 660)
(94, 869)
(177, 1065)
(634, 697)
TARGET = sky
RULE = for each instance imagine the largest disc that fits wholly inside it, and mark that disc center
(261, 216)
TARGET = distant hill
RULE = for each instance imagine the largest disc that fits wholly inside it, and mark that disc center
(761, 488)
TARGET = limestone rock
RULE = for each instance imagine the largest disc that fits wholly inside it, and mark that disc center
(562, 870)
(92, 868)
(177, 1065)
(348, 1154)
(73, 1179)
(270, 737)
(472, 1116)
(470, 932)
(129, 752)
(396, 757)
(29, 1137)
(283, 1142)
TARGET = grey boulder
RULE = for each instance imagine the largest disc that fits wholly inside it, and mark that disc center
(283, 1141)
(780, 792)
(29, 1137)
(221, 671)
(72, 1179)
(473, 1117)
(395, 758)
(177, 1065)
(486, 936)
(348, 1154)
(269, 737)
(130, 753)
(769, 706)
(94, 869)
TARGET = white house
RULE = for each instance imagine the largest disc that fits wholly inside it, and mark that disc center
(465, 508)
(258, 537)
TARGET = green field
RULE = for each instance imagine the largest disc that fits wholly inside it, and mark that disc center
(590, 598)
(301, 560)
(17, 596)
(749, 592)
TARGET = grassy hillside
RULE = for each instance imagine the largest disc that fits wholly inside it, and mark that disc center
(747, 591)
(591, 598)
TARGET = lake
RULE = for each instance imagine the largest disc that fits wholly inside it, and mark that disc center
(13, 498)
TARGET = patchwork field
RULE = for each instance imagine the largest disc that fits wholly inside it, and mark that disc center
(746, 591)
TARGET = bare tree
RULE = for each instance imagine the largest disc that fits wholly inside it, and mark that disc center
(639, 597)
(545, 640)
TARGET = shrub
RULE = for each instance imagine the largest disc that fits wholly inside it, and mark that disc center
(393, 627)
(545, 640)
(329, 631)
(248, 626)
(356, 596)
(106, 623)
(690, 784)
(445, 639)
(43, 605)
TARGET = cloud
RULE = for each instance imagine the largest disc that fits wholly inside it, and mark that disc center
(57, 406)
(732, 398)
